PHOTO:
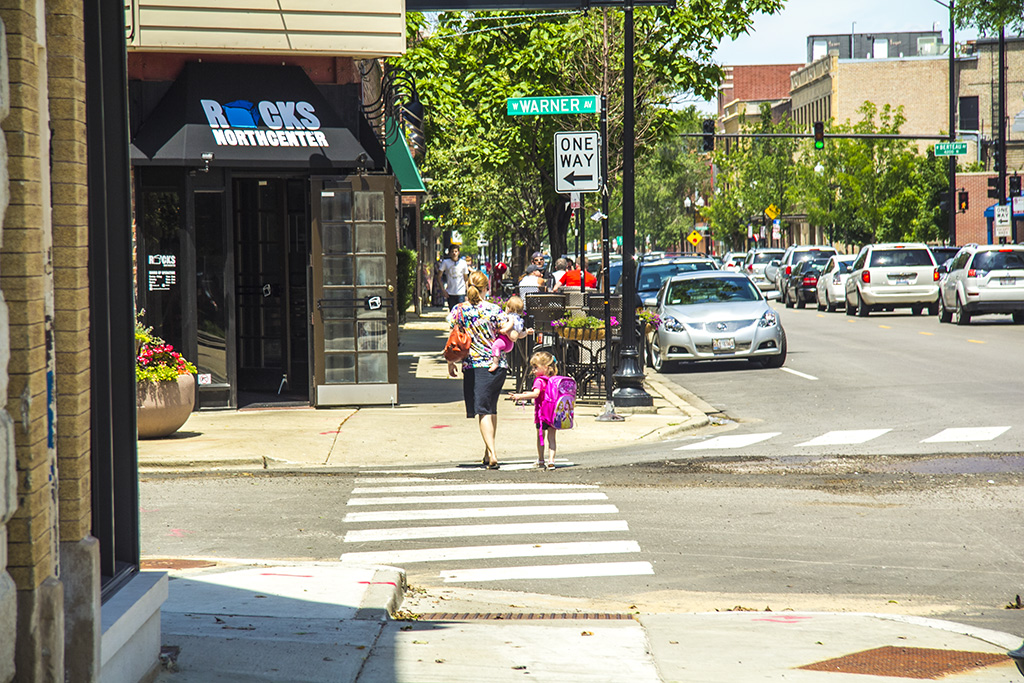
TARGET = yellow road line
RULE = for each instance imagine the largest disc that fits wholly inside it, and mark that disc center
(885, 327)
(927, 334)
(975, 341)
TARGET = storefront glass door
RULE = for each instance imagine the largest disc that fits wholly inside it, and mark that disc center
(355, 317)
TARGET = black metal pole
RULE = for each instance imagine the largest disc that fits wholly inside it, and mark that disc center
(608, 415)
(1002, 116)
(952, 203)
(629, 379)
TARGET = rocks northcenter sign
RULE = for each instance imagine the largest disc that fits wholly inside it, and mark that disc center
(577, 162)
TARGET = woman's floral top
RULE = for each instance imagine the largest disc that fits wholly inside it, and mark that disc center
(482, 322)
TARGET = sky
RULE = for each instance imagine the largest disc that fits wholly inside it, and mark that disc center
(782, 38)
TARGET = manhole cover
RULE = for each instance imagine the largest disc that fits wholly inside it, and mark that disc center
(908, 662)
(172, 563)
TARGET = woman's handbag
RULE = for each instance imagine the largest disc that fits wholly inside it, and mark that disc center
(457, 347)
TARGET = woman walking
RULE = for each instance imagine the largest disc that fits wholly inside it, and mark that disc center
(482, 320)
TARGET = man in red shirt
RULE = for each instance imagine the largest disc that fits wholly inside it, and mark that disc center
(571, 278)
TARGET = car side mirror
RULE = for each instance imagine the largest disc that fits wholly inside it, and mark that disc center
(942, 269)
(773, 295)
(651, 301)
(774, 262)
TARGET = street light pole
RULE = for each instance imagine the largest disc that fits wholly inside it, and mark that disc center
(951, 229)
(629, 379)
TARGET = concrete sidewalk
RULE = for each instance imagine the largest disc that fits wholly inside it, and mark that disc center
(328, 622)
(429, 426)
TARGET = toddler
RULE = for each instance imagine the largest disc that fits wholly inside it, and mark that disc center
(511, 329)
(543, 366)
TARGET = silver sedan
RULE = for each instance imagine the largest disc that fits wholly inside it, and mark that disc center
(714, 316)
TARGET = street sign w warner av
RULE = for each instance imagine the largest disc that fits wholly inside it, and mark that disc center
(578, 161)
(560, 104)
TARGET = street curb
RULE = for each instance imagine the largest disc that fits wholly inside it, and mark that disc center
(384, 595)
(695, 417)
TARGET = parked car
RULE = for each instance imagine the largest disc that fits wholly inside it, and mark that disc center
(892, 275)
(650, 275)
(732, 260)
(755, 263)
(801, 286)
(793, 255)
(714, 315)
(943, 254)
(830, 292)
(983, 279)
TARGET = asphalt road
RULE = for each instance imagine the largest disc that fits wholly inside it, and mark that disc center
(909, 375)
(893, 522)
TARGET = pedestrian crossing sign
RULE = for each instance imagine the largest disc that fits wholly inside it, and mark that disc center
(694, 238)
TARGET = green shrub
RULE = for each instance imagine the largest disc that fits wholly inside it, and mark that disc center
(406, 278)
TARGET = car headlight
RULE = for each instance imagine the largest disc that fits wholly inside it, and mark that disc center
(671, 324)
(769, 319)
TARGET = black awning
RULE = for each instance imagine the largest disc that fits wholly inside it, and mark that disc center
(247, 115)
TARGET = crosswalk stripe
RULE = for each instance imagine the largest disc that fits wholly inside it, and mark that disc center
(469, 487)
(729, 441)
(492, 552)
(412, 533)
(498, 498)
(557, 571)
(844, 437)
(466, 513)
(965, 434)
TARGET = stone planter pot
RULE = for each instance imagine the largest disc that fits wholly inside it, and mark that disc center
(163, 407)
(580, 333)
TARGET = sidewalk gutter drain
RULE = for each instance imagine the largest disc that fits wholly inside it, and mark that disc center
(172, 563)
(908, 662)
(522, 616)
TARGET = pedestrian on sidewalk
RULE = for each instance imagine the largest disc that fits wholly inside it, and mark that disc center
(454, 272)
(481, 388)
(543, 366)
(512, 329)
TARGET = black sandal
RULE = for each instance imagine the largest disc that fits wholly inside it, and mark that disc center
(495, 466)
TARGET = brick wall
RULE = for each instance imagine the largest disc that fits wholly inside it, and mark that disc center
(920, 85)
(977, 77)
(762, 82)
(70, 262)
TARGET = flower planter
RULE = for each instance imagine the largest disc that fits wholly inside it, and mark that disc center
(580, 333)
(163, 407)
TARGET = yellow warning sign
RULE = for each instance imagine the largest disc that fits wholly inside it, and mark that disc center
(772, 211)
(694, 238)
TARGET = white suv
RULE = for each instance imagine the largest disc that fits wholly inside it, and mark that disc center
(778, 272)
(983, 279)
(894, 275)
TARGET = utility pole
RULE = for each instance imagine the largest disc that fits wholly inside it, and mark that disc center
(629, 380)
(952, 124)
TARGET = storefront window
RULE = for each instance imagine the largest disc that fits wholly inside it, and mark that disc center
(211, 312)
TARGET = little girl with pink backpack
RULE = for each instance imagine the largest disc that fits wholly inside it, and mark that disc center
(554, 403)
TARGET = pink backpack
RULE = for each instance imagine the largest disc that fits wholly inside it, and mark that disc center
(558, 404)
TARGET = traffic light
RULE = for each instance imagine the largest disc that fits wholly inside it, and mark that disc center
(1015, 185)
(961, 201)
(708, 127)
(944, 201)
(993, 188)
(819, 135)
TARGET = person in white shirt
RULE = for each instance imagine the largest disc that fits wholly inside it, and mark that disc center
(454, 272)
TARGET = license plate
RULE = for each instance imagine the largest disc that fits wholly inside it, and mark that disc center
(902, 282)
(1007, 280)
(723, 344)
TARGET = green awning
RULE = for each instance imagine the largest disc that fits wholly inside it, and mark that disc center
(401, 161)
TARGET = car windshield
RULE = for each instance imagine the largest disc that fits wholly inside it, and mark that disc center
(809, 255)
(651, 277)
(814, 266)
(766, 257)
(998, 260)
(901, 257)
(708, 290)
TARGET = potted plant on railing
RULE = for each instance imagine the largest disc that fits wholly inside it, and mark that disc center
(165, 385)
(581, 328)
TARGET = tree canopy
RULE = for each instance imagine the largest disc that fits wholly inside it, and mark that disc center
(495, 172)
(990, 15)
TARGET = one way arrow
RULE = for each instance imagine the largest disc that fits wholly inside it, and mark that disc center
(572, 178)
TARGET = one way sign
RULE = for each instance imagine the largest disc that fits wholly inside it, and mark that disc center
(578, 161)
